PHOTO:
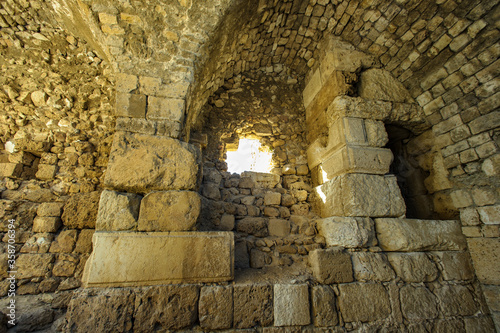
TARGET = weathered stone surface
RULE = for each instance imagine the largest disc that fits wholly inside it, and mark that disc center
(348, 232)
(279, 227)
(291, 305)
(46, 171)
(84, 242)
(324, 310)
(379, 84)
(351, 159)
(360, 195)
(50, 209)
(370, 266)
(165, 108)
(261, 180)
(256, 226)
(479, 324)
(456, 300)
(106, 310)
(272, 198)
(331, 265)
(486, 259)
(118, 211)
(65, 265)
(253, 305)
(216, 307)
(80, 211)
(363, 302)
(65, 242)
(46, 224)
(38, 243)
(419, 235)
(418, 303)
(169, 211)
(413, 267)
(165, 258)
(455, 266)
(226, 222)
(166, 307)
(33, 265)
(130, 105)
(143, 163)
(492, 295)
(11, 170)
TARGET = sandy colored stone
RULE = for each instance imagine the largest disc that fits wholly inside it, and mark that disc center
(80, 211)
(101, 310)
(118, 211)
(50, 209)
(46, 224)
(369, 266)
(413, 267)
(363, 302)
(418, 303)
(261, 180)
(46, 171)
(256, 226)
(379, 84)
(166, 307)
(84, 242)
(360, 195)
(11, 170)
(253, 305)
(33, 265)
(331, 265)
(171, 109)
(279, 227)
(480, 324)
(216, 307)
(485, 253)
(130, 105)
(419, 235)
(492, 295)
(324, 310)
(144, 163)
(169, 211)
(65, 265)
(455, 266)
(291, 305)
(272, 198)
(456, 300)
(38, 243)
(165, 258)
(226, 222)
(348, 232)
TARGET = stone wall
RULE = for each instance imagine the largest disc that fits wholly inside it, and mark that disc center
(55, 131)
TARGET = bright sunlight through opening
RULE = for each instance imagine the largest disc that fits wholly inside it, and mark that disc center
(250, 156)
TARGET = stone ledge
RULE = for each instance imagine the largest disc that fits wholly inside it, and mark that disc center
(142, 259)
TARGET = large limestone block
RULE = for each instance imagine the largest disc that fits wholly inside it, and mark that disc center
(80, 211)
(324, 311)
(409, 235)
(253, 305)
(101, 310)
(413, 267)
(455, 266)
(406, 114)
(166, 307)
(138, 259)
(169, 211)
(379, 84)
(456, 300)
(369, 266)
(142, 163)
(118, 211)
(291, 305)
(485, 253)
(418, 303)
(363, 302)
(348, 232)
(360, 195)
(216, 307)
(331, 265)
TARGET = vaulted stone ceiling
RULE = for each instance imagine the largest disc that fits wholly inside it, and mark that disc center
(434, 47)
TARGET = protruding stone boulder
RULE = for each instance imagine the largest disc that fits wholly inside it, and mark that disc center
(169, 211)
(142, 163)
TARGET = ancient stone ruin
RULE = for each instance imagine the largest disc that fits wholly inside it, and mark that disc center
(379, 210)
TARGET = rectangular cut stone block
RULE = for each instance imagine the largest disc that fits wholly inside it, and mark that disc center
(169, 211)
(324, 310)
(261, 180)
(486, 259)
(331, 265)
(348, 232)
(363, 302)
(360, 195)
(130, 105)
(12, 170)
(409, 235)
(253, 305)
(142, 163)
(165, 109)
(216, 307)
(370, 266)
(118, 211)
(351, 159)
(139, 259)
(291, 305)
(455, 266)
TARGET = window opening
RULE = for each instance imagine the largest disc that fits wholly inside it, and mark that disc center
(250, 156)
